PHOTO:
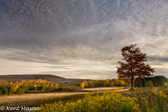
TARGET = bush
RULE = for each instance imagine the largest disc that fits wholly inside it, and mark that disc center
(96, 103)
(156, 80)
(160, 101)
(147, 101)
(149, 84)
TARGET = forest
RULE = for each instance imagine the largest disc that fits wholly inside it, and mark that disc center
(34, 86)
(103, 83)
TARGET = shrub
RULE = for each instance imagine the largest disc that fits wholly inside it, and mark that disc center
(148, 101)
(160, 101)
(96, 103)
(149, 84)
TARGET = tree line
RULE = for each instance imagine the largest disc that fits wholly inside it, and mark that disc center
(155, 81)
(33, 86)
(102, 83)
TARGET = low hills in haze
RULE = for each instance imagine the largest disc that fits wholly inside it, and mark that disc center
(32, 77)
(47, 77)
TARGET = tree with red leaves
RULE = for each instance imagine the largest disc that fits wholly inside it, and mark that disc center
(134, 65)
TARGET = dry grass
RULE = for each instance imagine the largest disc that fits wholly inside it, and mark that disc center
(20, 99)
(4, 100)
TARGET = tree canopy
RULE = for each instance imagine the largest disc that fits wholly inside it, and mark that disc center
(134, 65)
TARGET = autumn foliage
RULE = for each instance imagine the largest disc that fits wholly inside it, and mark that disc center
(152, 101)
(102, 83)
(33, 86)
(134, 65)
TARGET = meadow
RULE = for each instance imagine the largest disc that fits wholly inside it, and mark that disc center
(139, 100)
(112, 96)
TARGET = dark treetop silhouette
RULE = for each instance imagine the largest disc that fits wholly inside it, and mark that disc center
(134, 65)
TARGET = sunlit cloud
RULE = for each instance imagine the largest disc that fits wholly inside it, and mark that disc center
(80, 39)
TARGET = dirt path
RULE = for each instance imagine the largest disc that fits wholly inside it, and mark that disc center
(33, 97)
(106, 89)
(4, 100)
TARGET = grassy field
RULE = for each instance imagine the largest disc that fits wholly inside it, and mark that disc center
(108, 99)
(97, 89)
(26, 98)
(33, 99)
(139, 100)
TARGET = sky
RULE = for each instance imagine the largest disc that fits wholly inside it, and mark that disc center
(80, 38)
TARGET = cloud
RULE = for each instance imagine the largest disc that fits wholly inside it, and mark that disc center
(85, 74)
(159, 59)
(81, 32)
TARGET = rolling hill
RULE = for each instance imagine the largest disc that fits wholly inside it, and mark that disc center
(48, 77)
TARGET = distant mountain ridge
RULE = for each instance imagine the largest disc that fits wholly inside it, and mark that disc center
(18, 77)
(48, 77)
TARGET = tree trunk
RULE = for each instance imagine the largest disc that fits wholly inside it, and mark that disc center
(143, 82)
(132, 83)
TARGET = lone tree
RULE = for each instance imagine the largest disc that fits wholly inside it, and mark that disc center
(134, 65)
